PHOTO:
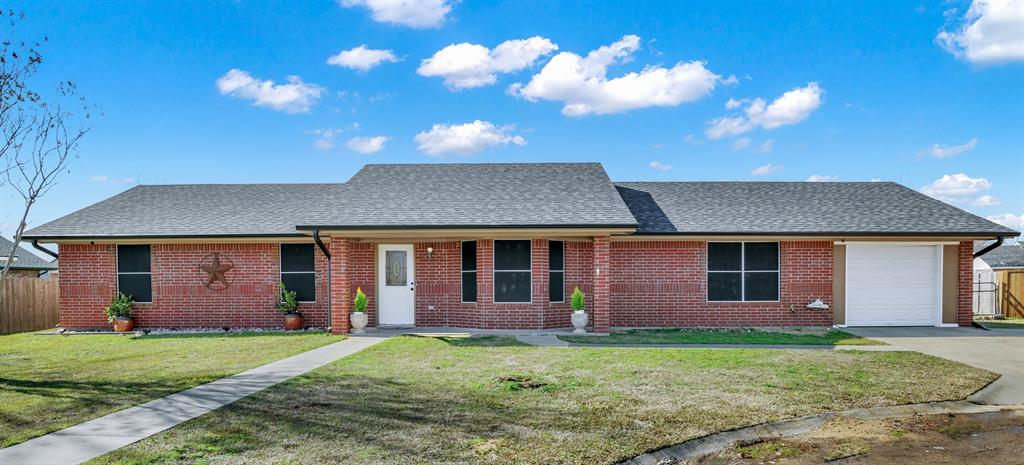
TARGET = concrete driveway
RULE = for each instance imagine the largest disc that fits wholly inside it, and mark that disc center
(998, 350)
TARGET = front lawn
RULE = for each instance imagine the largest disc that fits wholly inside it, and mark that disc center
(1009, 323)
(52, 382)
(434, 400)
(797, 336)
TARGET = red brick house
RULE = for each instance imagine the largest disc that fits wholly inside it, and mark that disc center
(500, 246)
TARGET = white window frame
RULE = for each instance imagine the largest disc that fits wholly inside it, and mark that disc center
(555, 271)
(495, 271)
(463, 272)
(280, 253)
(118, 272)
(743, 271)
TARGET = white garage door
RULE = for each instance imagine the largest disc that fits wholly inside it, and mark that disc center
(892, 285)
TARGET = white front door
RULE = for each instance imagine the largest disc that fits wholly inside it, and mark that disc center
(396, 284)
(893, 285)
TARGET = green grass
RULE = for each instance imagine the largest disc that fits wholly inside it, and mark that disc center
(796, 336)
(52, 382)
(1009, 323)
(494, 401)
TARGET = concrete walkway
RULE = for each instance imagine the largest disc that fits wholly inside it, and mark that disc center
(716, 442)
(997, 350)
(97, 437)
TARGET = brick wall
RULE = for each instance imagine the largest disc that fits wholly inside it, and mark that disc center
(180, 298)
(664, 283)
(965, 311)
(649, 283)
(87, 283)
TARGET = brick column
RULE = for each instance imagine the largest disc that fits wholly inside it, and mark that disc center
(341, 289)
(965, 294)
(600, 301)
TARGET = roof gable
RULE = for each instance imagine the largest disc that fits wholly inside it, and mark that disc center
(483, 195)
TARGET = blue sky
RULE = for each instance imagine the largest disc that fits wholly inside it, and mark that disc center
(927, 94)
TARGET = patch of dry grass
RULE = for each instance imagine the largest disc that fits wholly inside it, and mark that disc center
(429, 400)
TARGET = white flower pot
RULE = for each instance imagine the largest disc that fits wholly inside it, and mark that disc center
(579, 321)
(358, 320)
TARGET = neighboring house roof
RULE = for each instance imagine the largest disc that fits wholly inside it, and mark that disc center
(477, 195)
(516, 195)
(800, 208)
(210, 210)
(23, 259)
(1004, 256)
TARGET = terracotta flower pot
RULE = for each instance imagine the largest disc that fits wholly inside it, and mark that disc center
(358, 320)
(579, 321)
(293, 321)
(122, 325)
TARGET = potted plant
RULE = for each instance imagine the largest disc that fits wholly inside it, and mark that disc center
(358, 315)
(288, 305)
(579, 316)
(119, 312)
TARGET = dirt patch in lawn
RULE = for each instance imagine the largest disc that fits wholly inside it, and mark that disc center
(996, 437)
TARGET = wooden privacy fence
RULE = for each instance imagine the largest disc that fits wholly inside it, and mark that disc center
(1011, 292)
(28, 304)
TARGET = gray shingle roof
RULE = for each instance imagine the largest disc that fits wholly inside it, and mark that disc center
(515, 195)
(194, 210)
(477, 195)
(795, 208)
(23, 258)
(1004, 256)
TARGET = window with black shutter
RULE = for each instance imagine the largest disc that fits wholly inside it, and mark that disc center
(469, 271)
(298, 272)
(743, 271)
(512, 274)
(133, 273)
(556, 271)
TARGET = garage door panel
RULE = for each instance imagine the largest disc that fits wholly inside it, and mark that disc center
(891, 285)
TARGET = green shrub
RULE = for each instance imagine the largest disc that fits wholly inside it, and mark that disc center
(120, 307)
(578, 300)
(287, 302)
(360, 302)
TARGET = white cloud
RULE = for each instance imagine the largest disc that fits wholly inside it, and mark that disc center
(986, 201)
(733, 104)
(465, 139)
(765, 170)
(294, 97)
(325, 138)
(766, 146)
(417, 14)
(790, 108)
(691, 139)
(741, 144)
(120, 181)
(991, 32)
(822, 178)
(467, 65)
(956, 188)
(659, 166)
(939, 151)
(1015, 222)
(367, 145)
(362, 58)
(583, 85)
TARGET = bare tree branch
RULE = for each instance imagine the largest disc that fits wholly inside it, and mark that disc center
(38, 135)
